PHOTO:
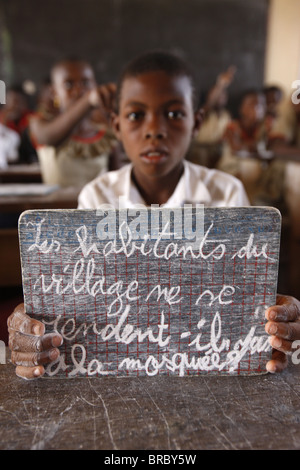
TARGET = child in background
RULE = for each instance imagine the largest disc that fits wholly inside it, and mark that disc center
(286, 144)
(15, 115)
(156, 119)
(9, 146)
(274, 96)
(74, 147)
(206, 147)
(246, 156)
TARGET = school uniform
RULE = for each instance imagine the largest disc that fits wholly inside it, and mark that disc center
(77, 160)
(263, 180)
(197, 185)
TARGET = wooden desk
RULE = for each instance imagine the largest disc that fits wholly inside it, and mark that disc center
(62, 198)
(170, 413)
(10, 266)
(21, 174)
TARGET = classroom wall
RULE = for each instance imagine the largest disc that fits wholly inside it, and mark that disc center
(282, 64)
(211, 34)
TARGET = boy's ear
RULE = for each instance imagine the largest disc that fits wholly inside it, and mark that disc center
(115, 122)
(198, 119)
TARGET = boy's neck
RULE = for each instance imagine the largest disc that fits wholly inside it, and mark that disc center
(157, 190)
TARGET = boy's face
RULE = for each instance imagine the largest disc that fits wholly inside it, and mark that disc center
(15, 105)
(71, 81)
(155, 122)
(253, 107)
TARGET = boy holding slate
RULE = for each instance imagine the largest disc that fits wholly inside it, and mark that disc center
(155, 121)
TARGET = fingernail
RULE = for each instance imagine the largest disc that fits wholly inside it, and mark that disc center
(272, 329)
(36, 372)
(53, 354)
(36, 330)
(277, 343)
(57, 341)
(272, 315)
(271, 368)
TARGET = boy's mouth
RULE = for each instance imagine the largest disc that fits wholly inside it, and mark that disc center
(154, 155)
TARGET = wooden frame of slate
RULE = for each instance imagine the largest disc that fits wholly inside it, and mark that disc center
(153, 291)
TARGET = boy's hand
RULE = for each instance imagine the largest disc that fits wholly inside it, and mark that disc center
(284, 328)
(104, 97)
(30, 346)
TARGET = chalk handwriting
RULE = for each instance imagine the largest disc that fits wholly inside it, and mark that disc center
(182, 311)
(217, 354)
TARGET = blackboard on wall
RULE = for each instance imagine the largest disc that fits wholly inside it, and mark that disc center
(210, 34)
(177, 292)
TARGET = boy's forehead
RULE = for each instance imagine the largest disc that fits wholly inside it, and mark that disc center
(66, 70)
(156, 85)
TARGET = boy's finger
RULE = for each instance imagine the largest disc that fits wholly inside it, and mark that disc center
(31, 343)
(278, 362)
(281, 344)
(287, 309)
(289, 330)
(20, 321)
(31, 359)
(30, 372)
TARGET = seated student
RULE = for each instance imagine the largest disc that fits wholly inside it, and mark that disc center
(274, 96)
(74, 147)
(245, 154)
(9, 146)
(286, 143)
(155, 120)
(206, 147)
(15, 115)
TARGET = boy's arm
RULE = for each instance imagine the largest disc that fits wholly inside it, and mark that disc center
(54, 132)
(30, 347)
(61, 127)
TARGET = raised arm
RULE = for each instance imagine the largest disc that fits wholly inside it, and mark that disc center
(61, 127)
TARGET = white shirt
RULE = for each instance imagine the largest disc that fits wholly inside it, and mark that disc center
(197, 185)
(9, 145)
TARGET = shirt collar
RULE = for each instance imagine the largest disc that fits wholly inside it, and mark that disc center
(189, 190)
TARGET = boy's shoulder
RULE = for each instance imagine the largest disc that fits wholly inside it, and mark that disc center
(214, 187)
(205, 174)
(105, 188)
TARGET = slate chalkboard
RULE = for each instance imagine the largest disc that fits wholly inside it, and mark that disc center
(155, 291)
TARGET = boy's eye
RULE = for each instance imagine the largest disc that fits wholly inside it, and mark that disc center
(135, 116)
(177, 114)
(68, 85)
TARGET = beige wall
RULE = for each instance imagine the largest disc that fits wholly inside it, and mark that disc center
(282, 65)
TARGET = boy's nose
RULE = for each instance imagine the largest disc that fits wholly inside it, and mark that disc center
(155, 129)
(77, 90)
(155, 135)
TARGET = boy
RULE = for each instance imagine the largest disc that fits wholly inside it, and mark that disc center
(75, 145)
(245, 141)
(155, 120)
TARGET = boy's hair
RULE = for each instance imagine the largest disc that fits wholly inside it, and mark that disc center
(153, 61)
(67, 60)
(273, 89)
(250, 92)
